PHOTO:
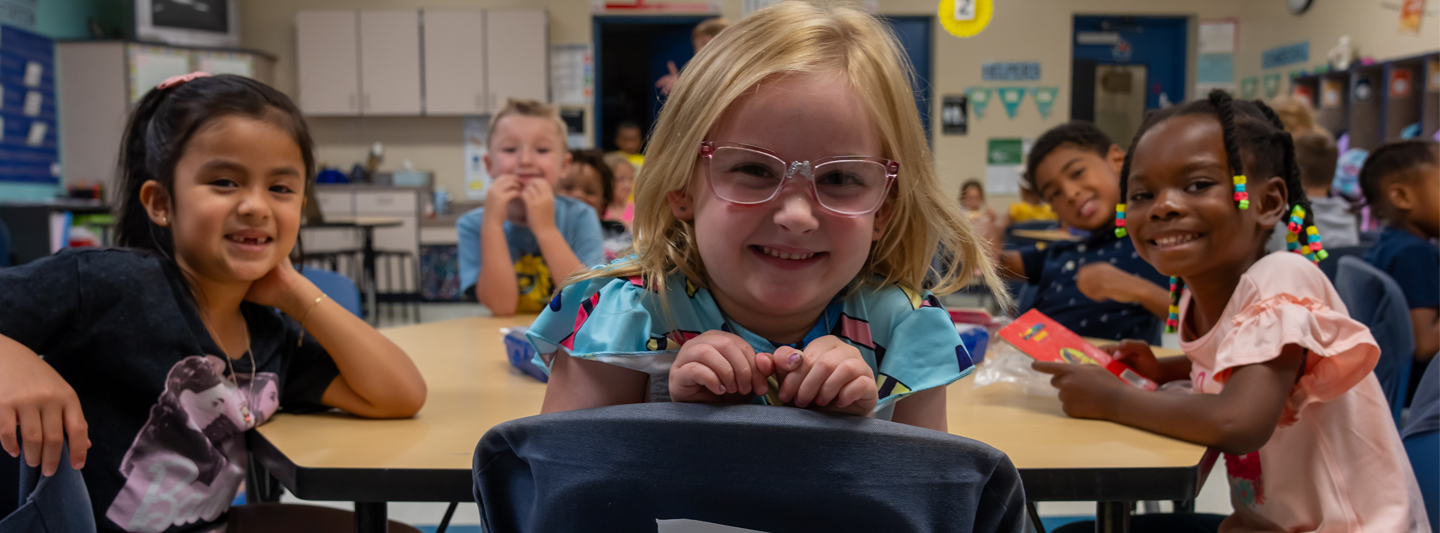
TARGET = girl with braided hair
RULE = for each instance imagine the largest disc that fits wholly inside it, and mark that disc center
(1280, 374)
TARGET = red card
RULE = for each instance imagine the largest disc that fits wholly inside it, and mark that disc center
(1400, 83)
(1046, 340)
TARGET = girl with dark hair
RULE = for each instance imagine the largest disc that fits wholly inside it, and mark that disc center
(153, 351)
(1280, 374)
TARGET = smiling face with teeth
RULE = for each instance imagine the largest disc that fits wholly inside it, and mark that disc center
(238, 193)
(1180, 211)
(773, 267)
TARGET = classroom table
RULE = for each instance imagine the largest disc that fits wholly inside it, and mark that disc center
(1049, 235)
(367, 226)
(472, 387)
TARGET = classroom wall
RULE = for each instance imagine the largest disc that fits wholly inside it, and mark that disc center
(1022, 30)
(1373, 27)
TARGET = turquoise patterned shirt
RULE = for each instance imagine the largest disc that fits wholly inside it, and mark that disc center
(905, 336)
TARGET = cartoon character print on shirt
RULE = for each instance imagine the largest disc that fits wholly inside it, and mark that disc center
(1244, 472)
(187, 462)
(536, 287)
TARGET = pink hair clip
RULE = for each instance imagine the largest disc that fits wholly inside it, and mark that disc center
(177, 80)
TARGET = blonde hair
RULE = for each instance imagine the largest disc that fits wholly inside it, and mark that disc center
(615, 160)
(797, 37)
(1297, 116)
(526, 108)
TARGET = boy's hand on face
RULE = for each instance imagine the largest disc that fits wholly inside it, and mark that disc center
(503, 190)
(829, 374)
(1102, 281)
(539, 200)
(715, 365)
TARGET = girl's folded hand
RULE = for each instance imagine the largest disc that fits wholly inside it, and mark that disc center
(829, 374)
(716, 364)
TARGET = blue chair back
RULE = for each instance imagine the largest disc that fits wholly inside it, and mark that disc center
(4, 245)
(1331, 266)
(1422, 441)
(55, 504)
(1376, 301)
(745, 466)
(338, 287)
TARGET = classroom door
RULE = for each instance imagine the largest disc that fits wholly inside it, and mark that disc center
(914, 36)
(1142, 58)
(632, 53)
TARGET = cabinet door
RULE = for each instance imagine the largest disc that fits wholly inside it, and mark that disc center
(390, 63)
(328, 62)
(516, 56)
(455, 63)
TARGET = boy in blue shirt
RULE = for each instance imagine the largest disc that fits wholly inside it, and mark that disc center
(1401, 182)
(1099, 286)
(526, 240)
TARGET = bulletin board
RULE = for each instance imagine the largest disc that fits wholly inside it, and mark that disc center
(29, 146)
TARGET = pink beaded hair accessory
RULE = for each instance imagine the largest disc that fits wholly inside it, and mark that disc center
(177, 80)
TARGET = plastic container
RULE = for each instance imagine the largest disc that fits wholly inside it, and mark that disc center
(975, 338)
(522, 353)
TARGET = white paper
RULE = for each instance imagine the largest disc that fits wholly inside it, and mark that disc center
(572, 74)
(477, 181)
(33, 71)
(1217, 37)
(59, 230)
(37, 133)
(1002, 179)
(696, 526)
(151, 65)
(964, 9)
(33, 99)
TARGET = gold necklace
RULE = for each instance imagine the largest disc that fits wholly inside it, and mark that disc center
(244, 407)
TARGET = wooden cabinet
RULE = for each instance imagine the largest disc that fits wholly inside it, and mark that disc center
(516, 44)
(328, 62)
(369, 63)
(454, 67)
(390, 63)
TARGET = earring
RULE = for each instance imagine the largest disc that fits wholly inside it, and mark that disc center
(164, 221)
(1120, 221)
(1242, 197)
(682, 208)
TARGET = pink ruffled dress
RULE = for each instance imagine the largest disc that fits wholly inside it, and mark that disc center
(1335, 462)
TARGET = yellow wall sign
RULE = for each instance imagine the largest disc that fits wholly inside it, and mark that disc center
(966, 18)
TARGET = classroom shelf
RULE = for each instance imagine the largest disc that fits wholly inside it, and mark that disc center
(1367, 103)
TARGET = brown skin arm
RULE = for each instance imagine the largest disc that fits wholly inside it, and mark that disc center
(1010, 265)
(581, 384)
(1237, 421)
(1426, 323)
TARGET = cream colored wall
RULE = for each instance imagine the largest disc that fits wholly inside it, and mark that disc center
(1373, 27)
(1022, 30)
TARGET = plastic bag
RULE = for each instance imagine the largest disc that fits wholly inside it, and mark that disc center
(1006, 364)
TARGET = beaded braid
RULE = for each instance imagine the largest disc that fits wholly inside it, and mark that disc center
(1302, 236)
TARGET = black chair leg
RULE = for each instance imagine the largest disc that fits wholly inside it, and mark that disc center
(1034, 517)
(445, 522)
(260, 486)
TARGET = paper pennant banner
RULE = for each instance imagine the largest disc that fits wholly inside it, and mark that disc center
(979, 98)
(1044, 99)
(1272, 85)
(1011, 97)
(1249, 87)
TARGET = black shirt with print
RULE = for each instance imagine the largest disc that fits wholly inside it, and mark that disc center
(165, 414)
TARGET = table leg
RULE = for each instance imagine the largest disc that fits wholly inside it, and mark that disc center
(368, 262)
(1112, 517)
(370, 517)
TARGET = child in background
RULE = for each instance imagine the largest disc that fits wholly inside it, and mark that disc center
(1401, 181)
(1030, 208)
(163, 353)
(972, 203)
(785, 226)
(630, 139)
(1098, 287)
(622, 205)
(1297, 116)
(590, 181)
(703, 33)
(525, 240)
(1281, 374)
(1316, 156)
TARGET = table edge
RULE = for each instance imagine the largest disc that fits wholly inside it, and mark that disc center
(361, 484)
